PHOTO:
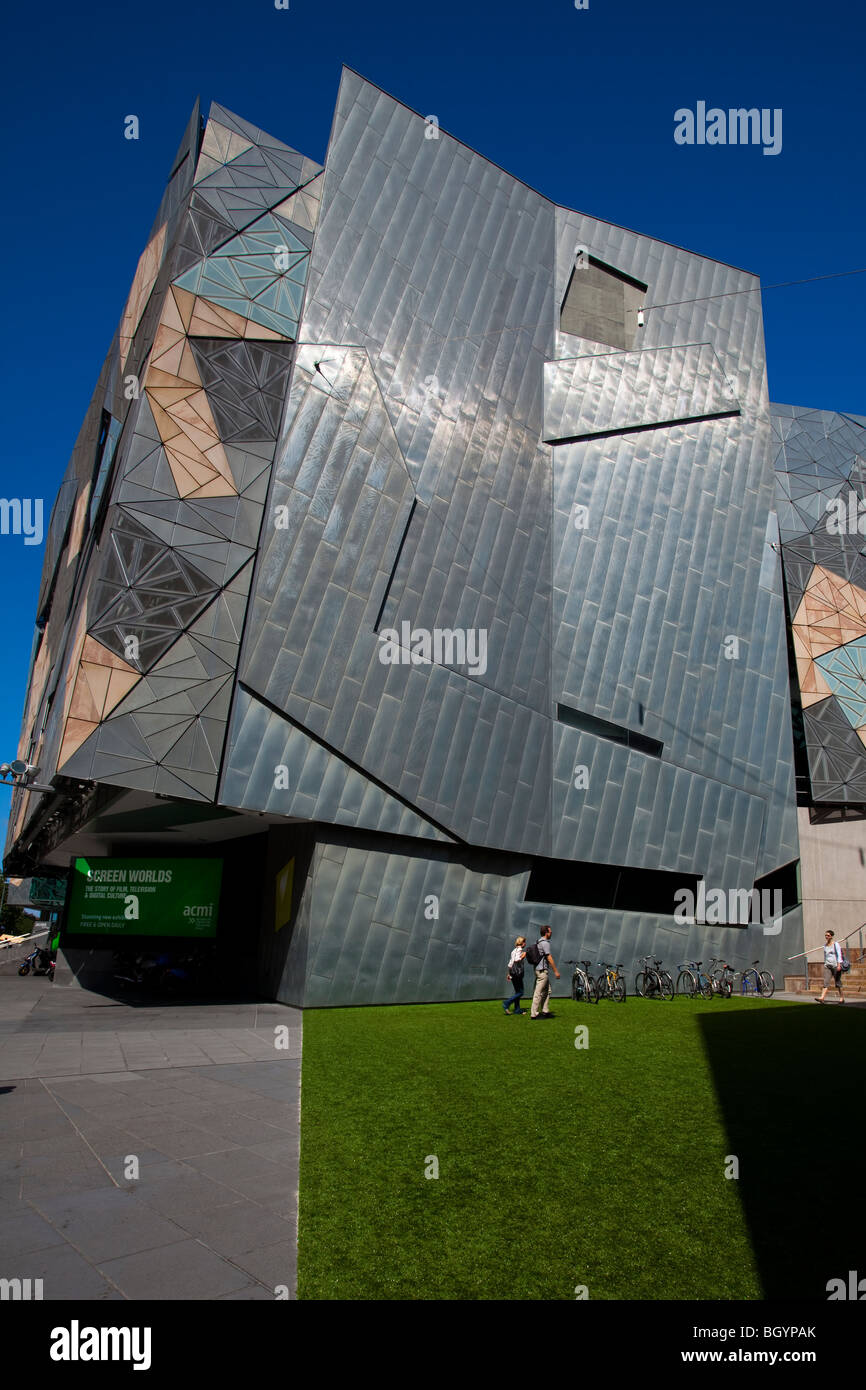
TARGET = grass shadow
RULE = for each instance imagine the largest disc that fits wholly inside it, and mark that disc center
(788, 1080)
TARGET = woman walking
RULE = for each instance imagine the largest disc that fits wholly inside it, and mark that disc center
(832, 967)
(515, 974)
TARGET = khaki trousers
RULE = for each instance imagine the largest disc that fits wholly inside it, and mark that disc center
(541, 997)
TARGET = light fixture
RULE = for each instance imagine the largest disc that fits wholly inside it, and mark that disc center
(640, 318)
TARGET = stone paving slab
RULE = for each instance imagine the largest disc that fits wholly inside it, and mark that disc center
(157, 1158)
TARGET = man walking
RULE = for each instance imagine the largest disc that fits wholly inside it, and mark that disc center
(541, 997)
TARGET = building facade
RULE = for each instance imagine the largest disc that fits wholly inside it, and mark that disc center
(819, 457)
(418, 558)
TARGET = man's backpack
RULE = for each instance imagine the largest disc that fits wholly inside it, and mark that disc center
(845, 964)
(533, 955)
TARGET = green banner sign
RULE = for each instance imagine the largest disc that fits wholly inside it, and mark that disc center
(144, 897)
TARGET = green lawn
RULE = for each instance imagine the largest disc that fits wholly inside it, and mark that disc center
(560, 1167)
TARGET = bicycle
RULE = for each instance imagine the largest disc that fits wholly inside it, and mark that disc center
(722, 977)
(610, 984)
(653, 982)
(693, 980)
(582, 983)
(754, 981)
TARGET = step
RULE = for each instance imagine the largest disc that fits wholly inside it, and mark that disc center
(795, 984)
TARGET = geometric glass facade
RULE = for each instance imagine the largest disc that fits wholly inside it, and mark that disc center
(820, 464)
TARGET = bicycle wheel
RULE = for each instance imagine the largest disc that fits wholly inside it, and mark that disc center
(767, 984)
(666, 985)
(705, 985)
(601, 988)
(618, 990)
(726, 987)
(586, 994)
(640, 984)
(576, 992)
(686, 983)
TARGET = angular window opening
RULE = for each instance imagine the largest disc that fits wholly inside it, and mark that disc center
(615, 733)
(109, 433)
(611, 886)
(601, 303)
(785, 881)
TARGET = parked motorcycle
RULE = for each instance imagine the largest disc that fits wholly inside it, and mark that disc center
(40, 961)
(172, 973)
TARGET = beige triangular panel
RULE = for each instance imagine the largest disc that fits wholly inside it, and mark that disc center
(76, 731)
(84, 704)
(218, 488)
(257, 330)
(41, 667)
(77, 529)
(167, 351)
(831, 613)
(97, 678)
(101, 679)
(213, 321)
(75, 649)
(181, 409)
(813, 686)
(142, 284)
(170, 318)
(120, 684)
(185, 304)
(210, 321)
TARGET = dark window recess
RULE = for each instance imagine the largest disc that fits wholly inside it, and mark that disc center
(601, 303)
(802, 775)
(48, 703)
(785, 881)
(576, 884)
(45, 612)
(616, 733)
(102, 440)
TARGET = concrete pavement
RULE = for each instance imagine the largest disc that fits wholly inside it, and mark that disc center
(150, 1151)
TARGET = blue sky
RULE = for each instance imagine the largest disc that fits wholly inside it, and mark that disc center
(578, 103)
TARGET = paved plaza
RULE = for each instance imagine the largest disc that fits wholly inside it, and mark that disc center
(197, 1099)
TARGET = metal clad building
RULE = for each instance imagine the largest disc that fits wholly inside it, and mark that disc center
(418, 554)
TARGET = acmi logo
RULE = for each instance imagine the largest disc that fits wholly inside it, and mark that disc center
(75, 1343)
(20, 1290)
(854, 1290)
